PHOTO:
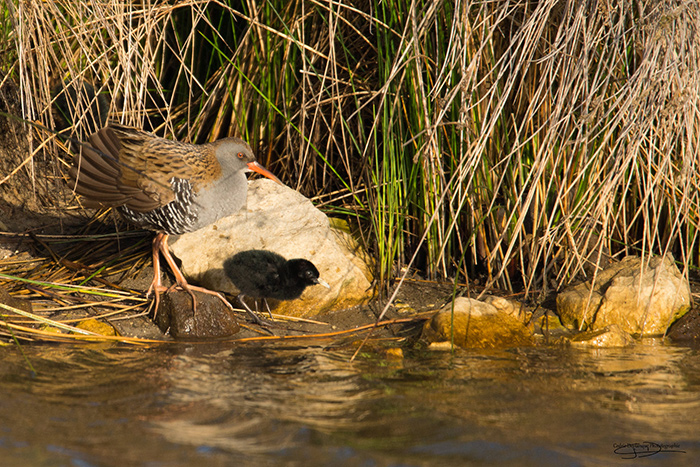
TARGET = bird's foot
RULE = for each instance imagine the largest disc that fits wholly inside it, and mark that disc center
(193, 288)
(258, 320)
(254, 316)
(156, 290)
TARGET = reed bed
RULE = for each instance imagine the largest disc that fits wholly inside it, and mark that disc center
(520, 142)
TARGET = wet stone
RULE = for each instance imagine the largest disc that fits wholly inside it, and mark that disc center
(213, 319)
(475, 324)
(687, 328)
(98, 327)
(611, 336)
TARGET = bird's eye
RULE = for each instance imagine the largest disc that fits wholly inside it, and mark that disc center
(240, 155)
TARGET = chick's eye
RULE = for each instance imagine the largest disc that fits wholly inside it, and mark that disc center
(240, 155)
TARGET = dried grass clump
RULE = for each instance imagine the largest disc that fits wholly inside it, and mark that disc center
(55, 279)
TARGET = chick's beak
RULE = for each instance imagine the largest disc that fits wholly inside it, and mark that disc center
(255, 167)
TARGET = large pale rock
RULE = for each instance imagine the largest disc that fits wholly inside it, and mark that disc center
(281, 220)
(644, 299)
(476, 324)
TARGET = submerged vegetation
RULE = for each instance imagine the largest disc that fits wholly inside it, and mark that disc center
(520, 141)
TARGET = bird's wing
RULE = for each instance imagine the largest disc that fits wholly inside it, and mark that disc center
(124, 166)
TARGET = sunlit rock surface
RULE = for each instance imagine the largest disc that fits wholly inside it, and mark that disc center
(476, 324)
(610, 336)
(643, 298)
(510, 307)
(98, 327)
(281, 220)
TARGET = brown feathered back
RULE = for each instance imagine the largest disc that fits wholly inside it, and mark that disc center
(123, 166)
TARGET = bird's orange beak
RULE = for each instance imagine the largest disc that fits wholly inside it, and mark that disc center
(255, 167)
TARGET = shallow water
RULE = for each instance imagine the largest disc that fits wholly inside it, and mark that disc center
(229, 404)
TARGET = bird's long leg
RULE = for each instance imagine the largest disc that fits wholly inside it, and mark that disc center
(256, 318)
(157, 285)
(180, 279)
(267, 305)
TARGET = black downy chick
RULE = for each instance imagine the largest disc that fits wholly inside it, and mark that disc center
(263, 274)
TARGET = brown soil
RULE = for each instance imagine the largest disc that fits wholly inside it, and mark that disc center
(33, 192)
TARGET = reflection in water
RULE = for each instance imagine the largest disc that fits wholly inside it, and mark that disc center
(268, 390)
(251, 405)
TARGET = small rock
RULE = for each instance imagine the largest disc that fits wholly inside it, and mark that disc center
(394, 353)
(440, 346)
(212, 319)
(476, 325)
(642, 299)
(611, 336)
(98, 327)
(283, 221)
